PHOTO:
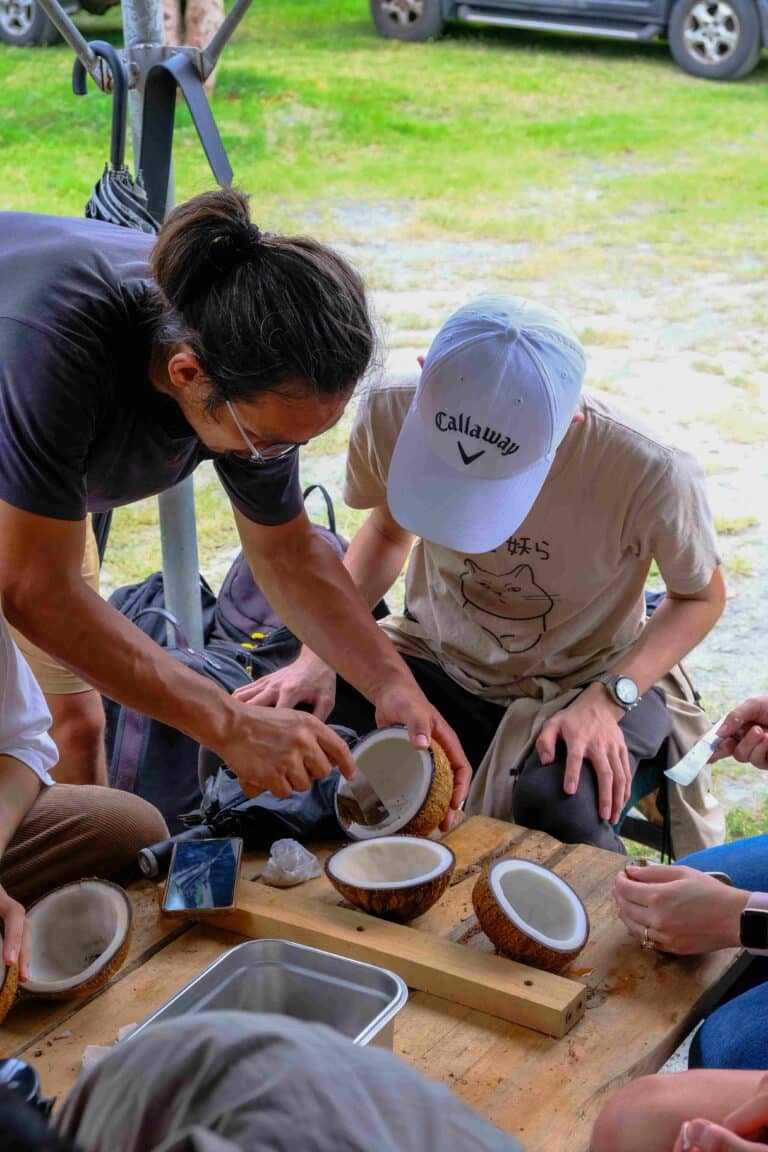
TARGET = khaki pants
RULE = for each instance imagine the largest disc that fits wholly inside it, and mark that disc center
(77, 830)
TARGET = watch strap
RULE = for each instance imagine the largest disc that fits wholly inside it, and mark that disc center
(758, 902)
(609, 680)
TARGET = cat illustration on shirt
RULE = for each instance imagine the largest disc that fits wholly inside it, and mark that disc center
(510, 606)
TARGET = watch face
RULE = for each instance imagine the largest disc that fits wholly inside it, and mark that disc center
(626, 690)
(754, 928)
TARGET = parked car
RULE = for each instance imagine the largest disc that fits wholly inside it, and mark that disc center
(716, 39)
(22, 22)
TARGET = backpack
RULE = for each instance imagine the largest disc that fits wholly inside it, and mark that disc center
(225, 810)
(151, 759)
(131, 599)
(244, 640)
(243, 614)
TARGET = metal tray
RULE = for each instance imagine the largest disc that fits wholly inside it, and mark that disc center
(358, 1000)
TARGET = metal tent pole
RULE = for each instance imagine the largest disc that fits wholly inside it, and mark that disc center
(142, 30)
(154, 72)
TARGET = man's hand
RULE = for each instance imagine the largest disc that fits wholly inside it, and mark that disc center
(745, 733)
(590, 729)
(16, 937)
(744, 1130)
(684, 911)
(403, 702)
(280, 751)
(308, 680)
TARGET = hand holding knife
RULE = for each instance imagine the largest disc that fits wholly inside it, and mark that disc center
(687, 769)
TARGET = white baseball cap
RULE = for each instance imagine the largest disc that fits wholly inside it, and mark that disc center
(497, 394)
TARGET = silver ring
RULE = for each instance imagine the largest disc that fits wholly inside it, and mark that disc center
(646, 941)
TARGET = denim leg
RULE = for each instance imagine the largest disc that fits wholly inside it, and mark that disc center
(736, 1034)
(745, 861)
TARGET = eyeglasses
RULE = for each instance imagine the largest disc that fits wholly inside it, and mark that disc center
(273, 452)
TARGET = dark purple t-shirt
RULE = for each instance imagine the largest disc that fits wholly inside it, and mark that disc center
(81, 427)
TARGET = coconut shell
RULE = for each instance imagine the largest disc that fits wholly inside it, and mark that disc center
(103, 976)
(8, 990)
(400, 904)
(435, 808)
(99, 979)
(509, 939)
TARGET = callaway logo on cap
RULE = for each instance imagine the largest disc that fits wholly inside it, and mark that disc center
(499, 388)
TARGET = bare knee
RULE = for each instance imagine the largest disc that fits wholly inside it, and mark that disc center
(78, 732)
(647, 1114)
(643, 1116)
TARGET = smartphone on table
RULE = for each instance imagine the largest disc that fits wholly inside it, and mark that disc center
(203, 876)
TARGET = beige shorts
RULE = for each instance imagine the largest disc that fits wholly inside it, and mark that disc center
(53, 678)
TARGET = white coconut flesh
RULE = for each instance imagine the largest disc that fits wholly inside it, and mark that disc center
(400, 774)
(74, 933)
(391, 862)
(540, 904)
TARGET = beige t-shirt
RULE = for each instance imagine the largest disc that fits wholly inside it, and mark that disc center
(563, 597)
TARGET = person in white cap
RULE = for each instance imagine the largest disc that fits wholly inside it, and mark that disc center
(536, 513)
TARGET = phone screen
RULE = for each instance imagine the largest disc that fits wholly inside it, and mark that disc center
(203, 874)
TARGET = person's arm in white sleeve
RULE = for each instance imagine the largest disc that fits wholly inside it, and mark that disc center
(27, 755)
(24, 715)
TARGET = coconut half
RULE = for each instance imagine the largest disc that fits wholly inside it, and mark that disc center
(530, 914)
(392, 876)
(414, 784)
(79, 938)
(9, 980)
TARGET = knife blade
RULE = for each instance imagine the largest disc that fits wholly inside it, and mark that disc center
(360, 803)
(687, 769)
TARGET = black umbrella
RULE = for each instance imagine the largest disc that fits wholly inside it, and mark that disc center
(117, 197)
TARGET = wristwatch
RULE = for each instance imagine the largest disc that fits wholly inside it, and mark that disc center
(621, 689)
(753, 926)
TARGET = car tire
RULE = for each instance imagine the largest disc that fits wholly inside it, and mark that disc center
(24, 24)
(715, 39)
(408, 19)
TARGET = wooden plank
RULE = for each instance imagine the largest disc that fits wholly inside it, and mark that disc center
(453, 916)
(488, 983)
(58, 1056)
(479, 839)
(640, 1005)
(475, 842)
(547, 1092)
(32, 1018)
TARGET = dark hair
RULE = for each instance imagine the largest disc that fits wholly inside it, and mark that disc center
(258, 310)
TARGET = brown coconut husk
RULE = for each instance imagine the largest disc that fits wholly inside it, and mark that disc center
(9, 989)
(398, 904)
(510, 940)
(435, 808)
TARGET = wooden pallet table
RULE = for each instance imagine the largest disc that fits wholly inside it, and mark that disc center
(547, 1091)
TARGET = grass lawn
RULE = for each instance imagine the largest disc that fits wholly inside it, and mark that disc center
(493, 133)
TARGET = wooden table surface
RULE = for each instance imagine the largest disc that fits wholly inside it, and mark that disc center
(547, 1092)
